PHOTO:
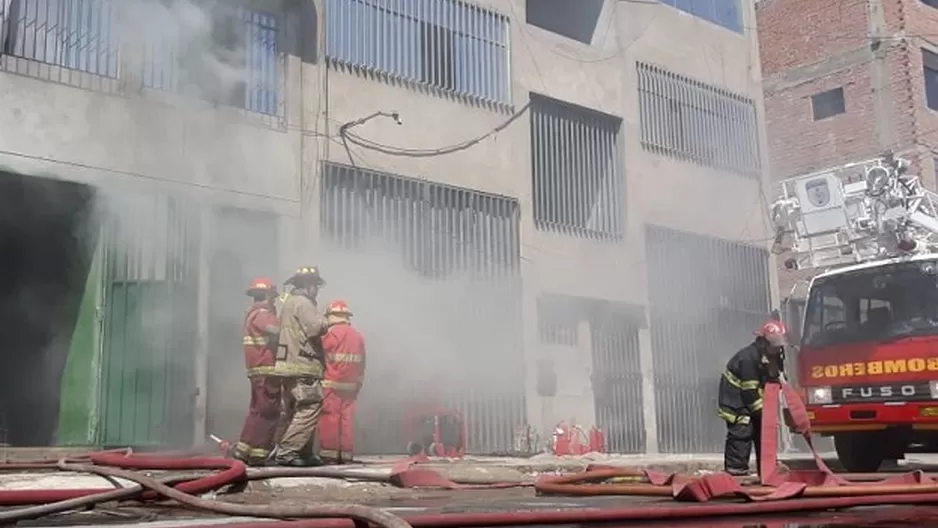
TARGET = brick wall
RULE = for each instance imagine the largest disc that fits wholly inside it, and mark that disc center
(798, 144)
(795, 33)
(797, 49)
(808, 47)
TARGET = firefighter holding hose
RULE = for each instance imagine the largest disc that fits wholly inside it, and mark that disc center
(299, 363)
(740, 393)
(261, 331)
(344, 347)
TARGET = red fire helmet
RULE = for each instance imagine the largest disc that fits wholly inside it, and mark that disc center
(774, 332)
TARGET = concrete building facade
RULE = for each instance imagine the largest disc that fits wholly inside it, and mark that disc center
(538, 213)
(845, 82)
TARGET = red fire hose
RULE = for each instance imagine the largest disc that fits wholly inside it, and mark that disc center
(778, 492)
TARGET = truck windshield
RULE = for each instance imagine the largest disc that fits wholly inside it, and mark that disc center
(873, 305)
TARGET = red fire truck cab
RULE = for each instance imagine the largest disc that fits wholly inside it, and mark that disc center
(868, 359)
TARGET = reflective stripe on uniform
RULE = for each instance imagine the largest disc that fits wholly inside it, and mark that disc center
(251, 452)
(339, 385)
(297, 369)
(731, 417)
(344, 358)
(255, 341)
(268, 370)
(756, 406)
(740, 384)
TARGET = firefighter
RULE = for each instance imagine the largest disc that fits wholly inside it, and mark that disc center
(740, 396)
(344, 348)
(261, 335)
(299, 363)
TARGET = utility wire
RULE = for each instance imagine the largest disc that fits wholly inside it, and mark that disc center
(427, 153)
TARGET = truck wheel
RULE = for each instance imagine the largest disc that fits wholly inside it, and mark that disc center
(859, 453)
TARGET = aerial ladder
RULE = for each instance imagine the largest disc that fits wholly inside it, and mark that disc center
(858, 212)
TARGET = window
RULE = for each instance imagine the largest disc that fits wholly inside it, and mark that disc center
(828, 104)
(239, 67)
(439, 230)
(575, 168)
(574, 20)
(448, 45)
(873, 305)
(726, 13)
(75, 34)
(930, 63)
(687, 119)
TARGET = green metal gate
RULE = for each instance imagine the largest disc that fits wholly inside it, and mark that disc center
(147, 388)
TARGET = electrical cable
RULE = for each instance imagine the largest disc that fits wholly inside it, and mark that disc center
(440, 151)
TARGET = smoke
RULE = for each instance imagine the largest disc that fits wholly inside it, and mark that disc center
(194, 49)
(431, 341)
(150, 248)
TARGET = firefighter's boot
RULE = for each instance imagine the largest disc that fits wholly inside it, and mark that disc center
(291, 459)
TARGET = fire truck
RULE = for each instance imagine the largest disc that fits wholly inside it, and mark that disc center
(867, 354)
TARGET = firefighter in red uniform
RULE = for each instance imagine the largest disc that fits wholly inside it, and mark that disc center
(740, 393)
(261, 335)
(344, 349)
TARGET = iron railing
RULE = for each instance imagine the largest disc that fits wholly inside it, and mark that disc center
(576, 170)
(232, 58)
(690, 120)
(241, 67)
(75, 34)
(435, 270)
(451, 46)
(147, 387)
(706, 297)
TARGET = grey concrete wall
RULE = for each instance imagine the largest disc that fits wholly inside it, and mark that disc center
(128, 137)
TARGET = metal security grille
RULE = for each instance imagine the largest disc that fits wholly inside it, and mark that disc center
(242, 69)
(706, 297)
(151, 273)
(617, 382)
(575, 169)
(689, 120)
(432, 274)
(74, 34)
(449, 45)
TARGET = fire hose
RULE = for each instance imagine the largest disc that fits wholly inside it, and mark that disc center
(233, 471)
(778, 492)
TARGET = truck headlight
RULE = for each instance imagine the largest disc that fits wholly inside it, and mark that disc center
(933, 389)
(820, 395)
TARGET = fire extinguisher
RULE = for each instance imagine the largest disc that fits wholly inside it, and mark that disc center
(569, 440)
(561, 439)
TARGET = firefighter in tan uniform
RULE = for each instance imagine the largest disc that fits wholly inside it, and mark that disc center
(300, 364)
